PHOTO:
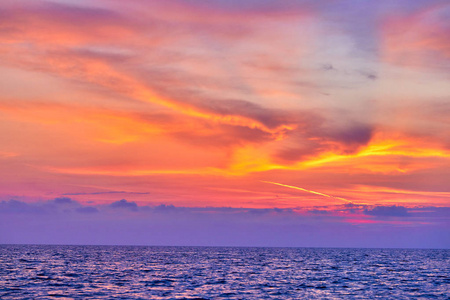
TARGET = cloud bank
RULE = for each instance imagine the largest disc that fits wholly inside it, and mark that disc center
(65, 221)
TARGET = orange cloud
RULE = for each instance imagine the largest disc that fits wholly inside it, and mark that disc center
(94, 65)
(94, 123)
(6, 154)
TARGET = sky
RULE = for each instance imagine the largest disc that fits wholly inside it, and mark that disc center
(227, 123)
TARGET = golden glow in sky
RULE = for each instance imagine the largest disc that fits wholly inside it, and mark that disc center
(211, 104)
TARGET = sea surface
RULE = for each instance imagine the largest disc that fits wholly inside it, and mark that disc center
(140, 272)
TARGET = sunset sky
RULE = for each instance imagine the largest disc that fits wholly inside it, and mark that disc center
(223, 122)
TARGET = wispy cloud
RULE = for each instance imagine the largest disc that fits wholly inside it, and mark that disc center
(106, 193)
(419, 38)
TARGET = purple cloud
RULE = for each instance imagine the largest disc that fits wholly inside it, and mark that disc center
(87, 210)
(70, 222)
(63, 200)
(124, 204)
(387, 211)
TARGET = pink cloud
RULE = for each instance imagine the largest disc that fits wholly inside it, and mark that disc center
(419, 39)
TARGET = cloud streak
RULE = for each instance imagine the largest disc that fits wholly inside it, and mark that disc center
(308, 191)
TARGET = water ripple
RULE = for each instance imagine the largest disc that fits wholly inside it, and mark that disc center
(112, 272)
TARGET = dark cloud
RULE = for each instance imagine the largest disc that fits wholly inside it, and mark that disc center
(302, 150)
(318, 212)
(124, 204)
(372, 76)
(352, 208)
(228, 211)
(67, 205)
(365, 73)
(327, 67)
(354, 135)
(272, 211)
(271, 118)
(222, 136)
(14, 206)
(63, 200)
(165, 208)
(51, 206)
(311, 140)
(350, 205)
(87, 210)
(430, 211)
(387, 211)
(369, 75)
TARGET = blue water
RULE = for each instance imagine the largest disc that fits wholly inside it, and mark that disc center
(134, 272)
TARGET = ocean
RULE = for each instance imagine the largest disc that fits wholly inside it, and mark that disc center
(141, 272)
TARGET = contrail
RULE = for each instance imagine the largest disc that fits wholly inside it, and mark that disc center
(308, 191)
